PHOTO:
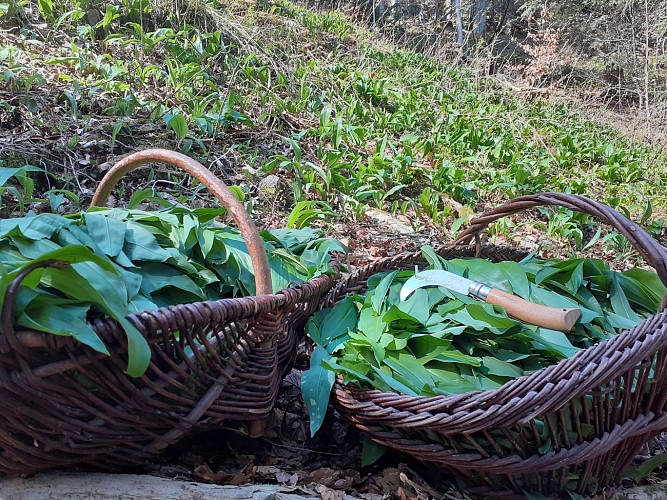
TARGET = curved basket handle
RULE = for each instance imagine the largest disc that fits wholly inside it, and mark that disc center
(260, 262)
(652, 252)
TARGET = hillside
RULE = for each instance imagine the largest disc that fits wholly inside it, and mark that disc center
(298, 108)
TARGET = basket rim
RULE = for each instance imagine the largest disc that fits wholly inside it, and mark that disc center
(642, 424)
(154, 324)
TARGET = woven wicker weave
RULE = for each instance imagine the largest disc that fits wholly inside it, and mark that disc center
(612, 396)
(65, 404)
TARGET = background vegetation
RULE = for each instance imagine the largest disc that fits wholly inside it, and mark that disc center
(315, 116)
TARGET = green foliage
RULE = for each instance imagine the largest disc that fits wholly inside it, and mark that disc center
(23, 186)
(640, 472)
(439, 342)
(127, 261)
(363, 124)
(305, 212)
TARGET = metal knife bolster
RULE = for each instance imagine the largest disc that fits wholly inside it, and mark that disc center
(479, 290)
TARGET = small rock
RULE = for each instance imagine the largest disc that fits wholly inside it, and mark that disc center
(268, 187)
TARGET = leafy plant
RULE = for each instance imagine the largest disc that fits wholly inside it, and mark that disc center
(126, 261)
(305, 212)
(641, 471)
(439, 342)
(22, 178)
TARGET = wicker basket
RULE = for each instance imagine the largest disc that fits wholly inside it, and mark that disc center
(617, 388)
(65, 404)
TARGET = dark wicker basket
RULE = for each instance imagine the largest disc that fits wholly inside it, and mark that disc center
(65, 404)
(617, 388)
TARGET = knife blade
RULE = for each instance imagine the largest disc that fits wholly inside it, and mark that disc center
(554, 318)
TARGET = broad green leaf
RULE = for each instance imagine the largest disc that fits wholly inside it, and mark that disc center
(483, 271)
(544, 273)
(553, 340)
(649, 281)
(394, 384)
(346, 368)
(371, 451)
(46, 9)
(105, 292)
(516, 275)
(482, 317)
(56, 317)
(360, 340)
(7, 173)
(34, 227)
(417, 306)
(156, 276)
(454, 356)
(620, 322)
(432, 257)
(371, 324)
(640, 472)
(380, 292)
(139, 197)
(295, 240)
(426, 347)
(328, 324)
(494, 366)
(450, 383)
(396, 341)
(316, 384)
(72, 254)
(108, 233)
(141, 245)
(179, 125)
(576, 278)
(206, 242)
(34, 249)
(619, 301)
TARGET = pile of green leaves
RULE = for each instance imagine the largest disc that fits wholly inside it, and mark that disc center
(125, 261)
(439, 342)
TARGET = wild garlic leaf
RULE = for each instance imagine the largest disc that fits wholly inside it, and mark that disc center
(619, 302)
(380, 292)
(517, 278)
(149, 260)
(107, 233)
(393, 384)
(647, 291)
(371, 451)
(371, 324)
(554, 341)
(141, 245)
(60, 317)
(463, 344)
(316, 384)
(494, 366)
(433, 259)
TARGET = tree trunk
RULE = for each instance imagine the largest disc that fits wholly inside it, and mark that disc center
(459, 22)
(479, 21)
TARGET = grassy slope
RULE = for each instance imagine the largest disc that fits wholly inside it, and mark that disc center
(337, 114)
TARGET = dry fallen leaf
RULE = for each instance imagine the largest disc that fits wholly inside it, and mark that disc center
(336, 479)
(328, 493)
(287, 478)
(203, 472)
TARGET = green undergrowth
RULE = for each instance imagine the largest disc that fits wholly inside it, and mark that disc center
(344, 119)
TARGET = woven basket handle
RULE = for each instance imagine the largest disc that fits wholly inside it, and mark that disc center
(652, 251)
(260, 262)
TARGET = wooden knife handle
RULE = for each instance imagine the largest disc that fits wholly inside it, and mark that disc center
(553, 318)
